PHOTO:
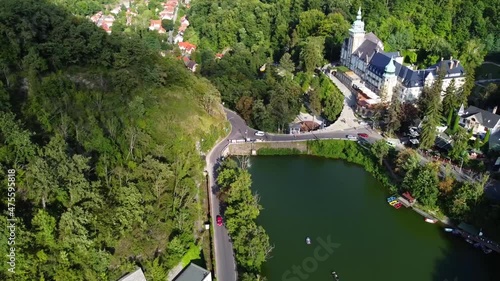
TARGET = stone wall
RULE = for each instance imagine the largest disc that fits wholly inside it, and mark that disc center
(247, 147)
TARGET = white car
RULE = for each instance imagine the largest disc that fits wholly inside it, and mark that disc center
(259, 133)
(351, 137)
(391, 144)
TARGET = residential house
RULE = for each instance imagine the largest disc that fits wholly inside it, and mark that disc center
(184, 24)
(156, 25)
(186, 47)
(194, 272)
(167, 13)
(95, 18)
(364, 55)
(480, 121)
(104, 22)
(137, 275)
(108, 20)
(116, 10)
(178, 38)
(106, 28)
(190, 64)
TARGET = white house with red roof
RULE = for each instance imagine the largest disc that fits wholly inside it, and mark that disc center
(156, 25)
(95, 18)
(186, 47)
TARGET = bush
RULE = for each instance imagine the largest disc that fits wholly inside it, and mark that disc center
(278, 151)
(354, 153)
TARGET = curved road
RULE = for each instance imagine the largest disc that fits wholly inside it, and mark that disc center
(225, 266)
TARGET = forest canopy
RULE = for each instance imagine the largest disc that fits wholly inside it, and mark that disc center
(294, 36)
(103, 135)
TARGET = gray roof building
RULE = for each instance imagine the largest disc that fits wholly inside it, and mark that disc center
(192, 272)
(137, 275)
(486, 118)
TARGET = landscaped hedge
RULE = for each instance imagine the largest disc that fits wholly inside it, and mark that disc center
(278, 151)
(354, 153)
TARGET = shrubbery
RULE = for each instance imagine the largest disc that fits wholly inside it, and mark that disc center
(353, 153)
(278, 151)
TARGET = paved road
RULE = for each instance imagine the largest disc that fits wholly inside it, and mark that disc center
(225, 264)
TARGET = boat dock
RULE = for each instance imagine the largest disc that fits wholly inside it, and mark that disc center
(484, 242)
(404, 202)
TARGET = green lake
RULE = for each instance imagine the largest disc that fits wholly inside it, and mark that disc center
(353, 230)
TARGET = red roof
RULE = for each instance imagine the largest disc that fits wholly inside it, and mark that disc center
(106, 27)
(408, 196)
(219, 56)
(155, 22)
(185, 59)
(182, 28)
(187, 46)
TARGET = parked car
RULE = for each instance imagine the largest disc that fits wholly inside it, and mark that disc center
(351, 137)
(363, 135)
(219, 220)
(391, 144)
(259, 133)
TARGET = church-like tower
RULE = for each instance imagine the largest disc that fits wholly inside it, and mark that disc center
(356, 38)
(390, 79)
(356, 34)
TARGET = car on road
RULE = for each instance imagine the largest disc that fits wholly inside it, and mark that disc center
(391, 144)
(363, 135)
(351, 137)
(259, 133)
(219, 220)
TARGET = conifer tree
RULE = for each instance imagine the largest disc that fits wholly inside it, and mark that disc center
(394, 113)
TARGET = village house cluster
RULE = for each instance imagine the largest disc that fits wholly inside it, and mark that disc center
(106, 21)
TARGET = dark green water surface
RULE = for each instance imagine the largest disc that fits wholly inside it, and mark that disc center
(343, 207)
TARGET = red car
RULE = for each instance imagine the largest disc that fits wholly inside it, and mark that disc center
(363, 135)
(219, 220)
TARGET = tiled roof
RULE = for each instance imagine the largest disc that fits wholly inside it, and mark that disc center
(192, 273)
(186, 45)
(366, 50)
(409, 78)
(137, 275)
(484, 117)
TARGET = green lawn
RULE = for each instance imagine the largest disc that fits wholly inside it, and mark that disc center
(488, 71)
(342, 69)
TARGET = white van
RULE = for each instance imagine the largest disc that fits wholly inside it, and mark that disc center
(351, 137)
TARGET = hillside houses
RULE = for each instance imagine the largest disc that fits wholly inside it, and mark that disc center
(102, 21)
(169, 10)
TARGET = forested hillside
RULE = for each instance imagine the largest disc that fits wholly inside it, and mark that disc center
(102, 135)
(433, 28)
(301, 34)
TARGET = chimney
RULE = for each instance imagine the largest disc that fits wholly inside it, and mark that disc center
(442, 58)
(494, 111)
(451, 62)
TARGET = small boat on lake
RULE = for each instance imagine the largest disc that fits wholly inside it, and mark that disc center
(335, 276)
(448, 229)
(429, 220)
(308, 240)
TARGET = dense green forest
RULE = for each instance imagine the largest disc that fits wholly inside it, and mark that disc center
(102, 134)
(301, 34)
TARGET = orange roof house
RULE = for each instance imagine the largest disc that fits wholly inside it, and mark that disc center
(187, 47)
